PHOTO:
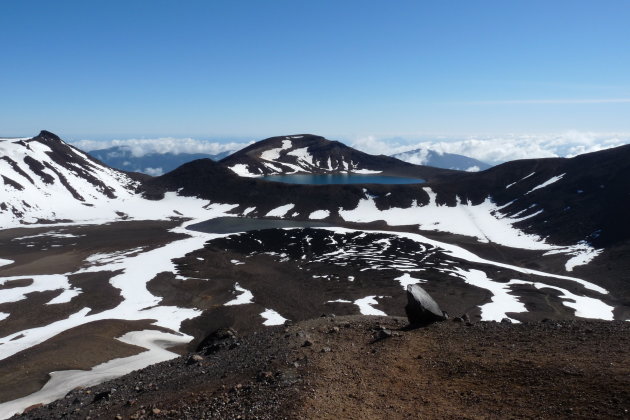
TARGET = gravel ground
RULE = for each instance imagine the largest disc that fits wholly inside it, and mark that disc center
(366, 367)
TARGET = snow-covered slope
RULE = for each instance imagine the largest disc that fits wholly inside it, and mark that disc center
(437, 159)
(306, 153)
(44, 178)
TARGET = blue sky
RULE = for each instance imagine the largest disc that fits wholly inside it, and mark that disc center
(106, 69)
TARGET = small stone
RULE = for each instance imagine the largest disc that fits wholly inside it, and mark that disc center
(326, 350)
(384, 333)
(195, 358)
(264, 376)
(333, 330)
(506, 321)
(118, 417)
(156, 411)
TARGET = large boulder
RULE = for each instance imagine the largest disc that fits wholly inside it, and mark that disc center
(421, 309)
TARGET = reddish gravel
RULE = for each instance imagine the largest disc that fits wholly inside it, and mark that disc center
(360, 367)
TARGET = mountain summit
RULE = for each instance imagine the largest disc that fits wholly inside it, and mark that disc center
(44, 178)
(307, 153)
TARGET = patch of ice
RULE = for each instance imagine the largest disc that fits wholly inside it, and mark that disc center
(5, 262)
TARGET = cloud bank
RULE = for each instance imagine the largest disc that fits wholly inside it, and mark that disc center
(489, 149)
(499, 149)
(141, 147)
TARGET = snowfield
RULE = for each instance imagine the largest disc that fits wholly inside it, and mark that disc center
(482, 221)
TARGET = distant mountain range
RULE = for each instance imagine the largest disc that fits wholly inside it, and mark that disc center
(122, 157)
(442, 160)
(269, 157)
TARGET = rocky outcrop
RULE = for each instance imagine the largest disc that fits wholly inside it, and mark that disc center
(421, 309)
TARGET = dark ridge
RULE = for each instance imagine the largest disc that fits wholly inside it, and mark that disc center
(14, 184)
(207, 179)
(558, 211)
(37, 167)
(589, 202)
(17, 168)
(325, 151)
(65, 183)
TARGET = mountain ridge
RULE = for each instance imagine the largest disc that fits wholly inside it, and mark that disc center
(308, 153)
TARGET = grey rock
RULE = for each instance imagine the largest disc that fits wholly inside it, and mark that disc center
(421, 309)
(383, 334)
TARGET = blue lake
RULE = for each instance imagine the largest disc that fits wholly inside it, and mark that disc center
(318, 179)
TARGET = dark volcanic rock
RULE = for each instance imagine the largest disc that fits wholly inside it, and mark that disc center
(421, 309)
(307, 153)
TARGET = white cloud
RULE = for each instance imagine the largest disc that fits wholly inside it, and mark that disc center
(153, 171)
(498, 149)
(489, 149)
(141, 147)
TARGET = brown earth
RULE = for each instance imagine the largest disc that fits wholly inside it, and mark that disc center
(352, 368)
(87, 345)
(52, 255)
(77, 348)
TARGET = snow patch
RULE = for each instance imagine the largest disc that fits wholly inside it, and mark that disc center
(319, 214)
(273, 154)
(272, 318)
(244, 298)
(406, 280)
(502, 301)
(242, 169)
(62, 382)
(280, 211)
(248, 210)
(366, 306)
(480, 221)
(546, 183)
